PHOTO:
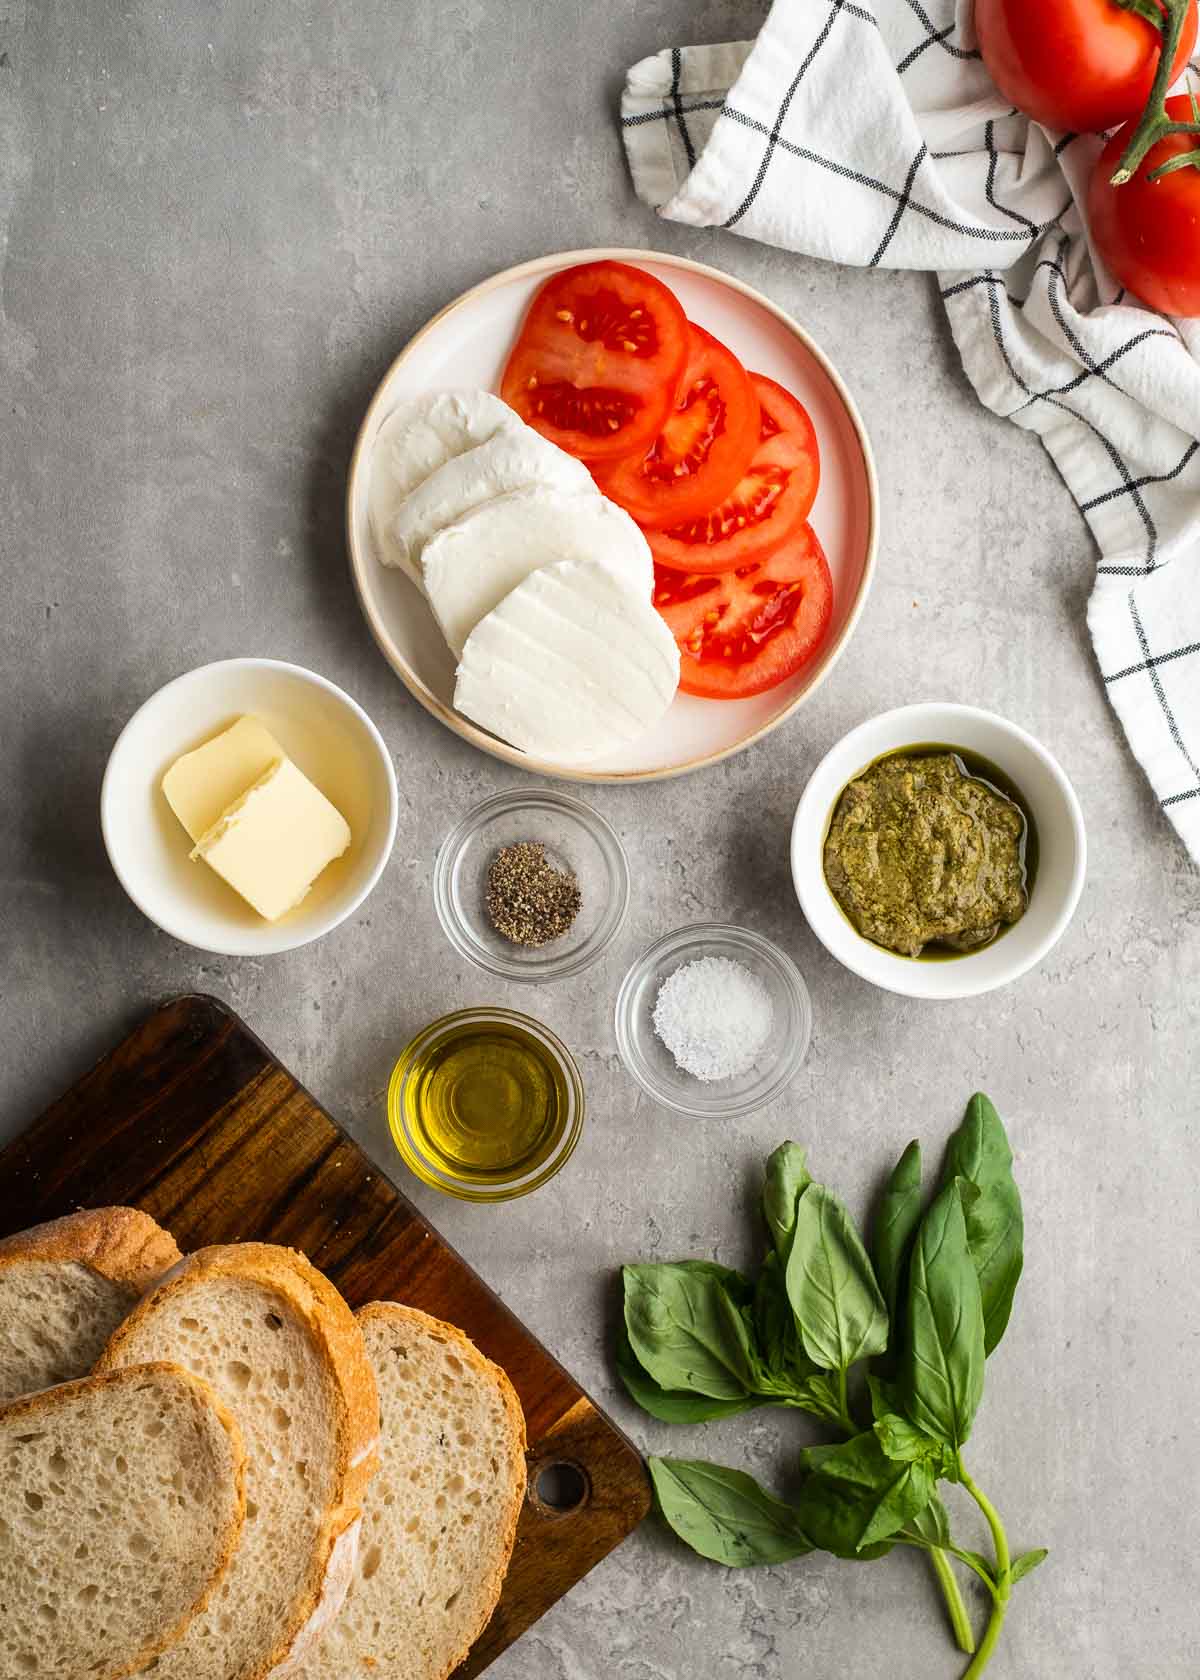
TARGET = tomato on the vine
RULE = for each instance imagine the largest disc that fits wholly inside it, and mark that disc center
(1148, 232)
(704, 447)
(1074, 64)
(745, 631)
(597, 360)
(769, 503)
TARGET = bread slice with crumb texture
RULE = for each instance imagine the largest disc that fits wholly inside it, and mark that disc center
(121, 1503)
(284, 1352)
(66, 1285)
(440, 1518)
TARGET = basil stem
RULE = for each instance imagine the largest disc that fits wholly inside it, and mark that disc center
(991, 1634)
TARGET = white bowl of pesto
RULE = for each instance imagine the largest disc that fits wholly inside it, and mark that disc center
(1014, 768)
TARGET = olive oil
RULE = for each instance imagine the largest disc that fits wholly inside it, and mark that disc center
(484, 1103)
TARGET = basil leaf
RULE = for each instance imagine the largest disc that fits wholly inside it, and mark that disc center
(885, 1398)
(668, 1405)
(818, 1394)
(897, 1218)
(780, 1351)
(932, 1524)
(1027, 1563)
(857, 1498)
(942, 1376)
(904, 1443)
(686, 1332)
(735, 1284)
(787, 1179)
(979, 1152)
(724, 1514)
(831, 1286)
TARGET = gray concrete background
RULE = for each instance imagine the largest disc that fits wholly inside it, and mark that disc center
(222, 223)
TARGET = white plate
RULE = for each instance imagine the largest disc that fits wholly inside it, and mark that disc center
(467, 344)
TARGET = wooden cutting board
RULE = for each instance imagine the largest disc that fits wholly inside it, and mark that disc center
(193, 1119)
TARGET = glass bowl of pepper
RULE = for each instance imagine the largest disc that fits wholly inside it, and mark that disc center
(531, 885)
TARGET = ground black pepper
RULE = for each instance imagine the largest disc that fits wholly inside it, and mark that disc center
(528, 900)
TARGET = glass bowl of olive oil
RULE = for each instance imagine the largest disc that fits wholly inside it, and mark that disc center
(485, 1104)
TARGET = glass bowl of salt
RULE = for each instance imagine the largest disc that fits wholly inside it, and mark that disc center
(713, 1021)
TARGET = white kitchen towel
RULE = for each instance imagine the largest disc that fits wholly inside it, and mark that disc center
(869, 132)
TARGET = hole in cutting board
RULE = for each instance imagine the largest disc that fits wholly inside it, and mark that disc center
(559, 1487)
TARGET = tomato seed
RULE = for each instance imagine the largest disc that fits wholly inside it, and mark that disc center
(564, 315)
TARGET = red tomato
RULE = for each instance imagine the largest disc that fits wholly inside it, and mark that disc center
(704, 446)
(598, 359)
(769, 503)
(753, 627)
(1148, 232)
(1074, 64)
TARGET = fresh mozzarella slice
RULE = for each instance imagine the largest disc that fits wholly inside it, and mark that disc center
(505, 462)
(415, 440)
(573, 662)
(469, 567)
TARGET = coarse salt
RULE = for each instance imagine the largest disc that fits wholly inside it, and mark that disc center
(714, 1016)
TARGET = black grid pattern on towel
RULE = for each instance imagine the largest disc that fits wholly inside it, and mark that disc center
(1150, 662)
(905, 201)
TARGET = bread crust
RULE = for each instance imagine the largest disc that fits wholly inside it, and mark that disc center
(33, 1406)
(393, 1312)
(331, 1324)
(123, 1244)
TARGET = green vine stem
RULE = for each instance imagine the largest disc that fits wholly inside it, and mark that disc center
(1154, 124)
(991, 1636)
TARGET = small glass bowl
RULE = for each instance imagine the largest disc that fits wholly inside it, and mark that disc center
(481, 1186)
(575, 838)
(652, 1064)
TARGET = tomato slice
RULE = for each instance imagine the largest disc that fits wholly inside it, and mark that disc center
(598, 359)
(751, 628)
(704, 447)
(770, 502)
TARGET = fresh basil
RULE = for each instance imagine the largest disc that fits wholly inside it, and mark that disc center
(724, 1514)
(735, 1284)
(831, 1285)
(856, 1498)
(932, 1525)
(1027, 1563)
(902, 1442)
(942, 1370)
(776, 1334)
(669, 1405)
(897, 1218)
(686, 1332)
(786, 1180)
(979, 1152)
(701, 1341)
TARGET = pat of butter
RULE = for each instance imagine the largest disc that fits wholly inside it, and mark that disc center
(202, 785)
(272, 842)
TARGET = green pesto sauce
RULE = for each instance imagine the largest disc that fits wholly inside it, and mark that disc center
(931, 852)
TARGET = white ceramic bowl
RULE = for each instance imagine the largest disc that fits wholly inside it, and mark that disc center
(330, 738)
(1062, 850)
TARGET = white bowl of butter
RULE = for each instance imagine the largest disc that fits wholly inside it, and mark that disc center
(249, 807)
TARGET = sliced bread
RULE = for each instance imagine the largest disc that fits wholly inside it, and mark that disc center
(440, 1518)
(64, 1288)
(121, 1502)
(283, 1351)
